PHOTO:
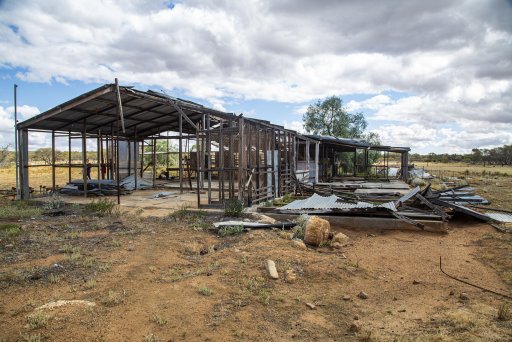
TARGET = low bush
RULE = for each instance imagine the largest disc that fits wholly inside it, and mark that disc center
(233, 208)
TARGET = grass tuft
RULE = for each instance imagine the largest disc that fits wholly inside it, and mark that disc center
(18, 210)
(205, 291)
(504, 313)
(37, 320)
(9, 230)
(231, 230)
(233, 208)
(159, 320)
(112, 298)
(103, 207)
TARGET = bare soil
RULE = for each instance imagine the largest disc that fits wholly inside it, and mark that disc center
(160, 279)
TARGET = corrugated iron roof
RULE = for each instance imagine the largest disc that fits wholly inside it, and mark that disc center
(332, 202)
(507, 218)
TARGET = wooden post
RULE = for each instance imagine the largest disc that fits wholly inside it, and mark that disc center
(84, 156)
(53, 161)
(142, 147)
(198, 164)
(98, 156)
(136, 155)
(180, 152)
(317, 160)
(240, 158)
(220, 163)
(153, 161)
(209, 157)
(69, 157)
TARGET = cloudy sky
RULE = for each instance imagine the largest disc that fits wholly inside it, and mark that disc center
(434, 75)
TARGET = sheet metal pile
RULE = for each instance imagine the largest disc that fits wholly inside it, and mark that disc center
(105, 187)
(414, 205)
(358, 190)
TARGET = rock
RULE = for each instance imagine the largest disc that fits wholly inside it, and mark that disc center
(363, 295)
(271, 268)
(415, 282)
(250, 236)
(402, 310)
(311, 306)
(355, 326)
(265, 219)
(346, 297)
(464, 296)
(418, 182)
(336, 245)
(58, 303)
(299, 244)
(356, 317)
(9, 246)
(286, 235)
(340, 238)
(452, 292)
(290, 276)
(316, 231)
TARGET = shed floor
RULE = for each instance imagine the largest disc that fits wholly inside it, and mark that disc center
(148, 201)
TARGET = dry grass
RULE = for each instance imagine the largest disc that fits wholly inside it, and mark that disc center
(469, 169)
(39, 176)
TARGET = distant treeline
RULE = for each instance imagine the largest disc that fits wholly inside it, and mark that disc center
(494, 156)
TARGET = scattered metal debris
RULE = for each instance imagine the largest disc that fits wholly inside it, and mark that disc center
(470, 284)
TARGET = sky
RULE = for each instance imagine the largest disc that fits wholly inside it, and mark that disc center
(433, 75)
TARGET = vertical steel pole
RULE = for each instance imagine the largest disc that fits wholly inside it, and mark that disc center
(16, 140)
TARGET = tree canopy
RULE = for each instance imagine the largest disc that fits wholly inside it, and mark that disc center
(330, 117)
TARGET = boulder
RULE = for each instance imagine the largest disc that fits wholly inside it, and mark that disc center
(317, 231)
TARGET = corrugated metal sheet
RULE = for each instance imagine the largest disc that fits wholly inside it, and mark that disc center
(332, 202)
(507, 218)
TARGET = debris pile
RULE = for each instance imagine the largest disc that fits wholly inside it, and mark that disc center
(422, 209)
(104, 187)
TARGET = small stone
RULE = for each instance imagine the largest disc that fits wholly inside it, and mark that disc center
(452, 292)
(340, 238)
(286, 235)
(464, 296)
(395, 299)
(346, 297)
(401, 310)
(250, 236)
(336, 245)
(9, 246)
(355, 326)
(271, 268)
(289, 276)
(311, 306)
(299, 244)
(356, 317)
(363, 295)
(415, 282)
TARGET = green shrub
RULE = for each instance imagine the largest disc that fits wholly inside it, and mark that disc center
(9, 230)
(102, 207)
(54, 202)
(18, 209)
(298, 230)
(233, 207)
(230, 230)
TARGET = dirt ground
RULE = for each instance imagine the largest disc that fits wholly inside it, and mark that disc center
(172, 279)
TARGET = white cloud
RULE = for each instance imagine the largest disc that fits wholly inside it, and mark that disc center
(7, 122)
(374, 103)
(452, 57)
(295, 125)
